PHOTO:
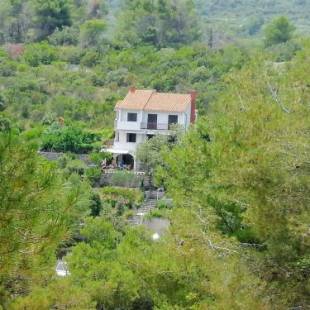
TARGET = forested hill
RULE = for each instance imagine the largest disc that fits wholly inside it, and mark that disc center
(247, 17)
(225, 18)
(236, 183)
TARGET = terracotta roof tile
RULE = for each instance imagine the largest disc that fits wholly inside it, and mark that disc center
(135, 100)
(150, 100)
(165, 102)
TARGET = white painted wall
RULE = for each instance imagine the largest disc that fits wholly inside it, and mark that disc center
(121, 120)
(142, 116)
(123, 127)
(122, 143)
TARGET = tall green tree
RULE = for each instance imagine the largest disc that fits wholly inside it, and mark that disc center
(161, 23)
(91, 33)
(252, 154)
(280, 30)
(15, 20)
(51, 14)
(38, 209)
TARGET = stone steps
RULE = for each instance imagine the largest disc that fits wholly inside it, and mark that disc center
(145, 209)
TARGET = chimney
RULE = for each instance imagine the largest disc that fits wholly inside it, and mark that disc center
(193, 94)
(132, 89)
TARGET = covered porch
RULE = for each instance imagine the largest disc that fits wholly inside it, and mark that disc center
(122, 160)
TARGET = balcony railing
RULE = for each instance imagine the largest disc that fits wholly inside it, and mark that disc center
(154, 126)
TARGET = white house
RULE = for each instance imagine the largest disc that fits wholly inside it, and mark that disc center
(145, 113)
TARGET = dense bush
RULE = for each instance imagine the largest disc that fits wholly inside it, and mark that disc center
(121, 198)
(93, 174)
(125, 179)
(39, 54)
(68, 139)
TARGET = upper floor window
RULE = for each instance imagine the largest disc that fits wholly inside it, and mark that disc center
(131, 137)
(173, 119)
(132, 117)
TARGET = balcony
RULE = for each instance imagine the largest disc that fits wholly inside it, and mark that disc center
(155, 126)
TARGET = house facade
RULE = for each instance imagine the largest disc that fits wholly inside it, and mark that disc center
(146, 113)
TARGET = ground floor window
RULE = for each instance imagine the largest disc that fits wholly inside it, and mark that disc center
(131, 137)
(149, 136)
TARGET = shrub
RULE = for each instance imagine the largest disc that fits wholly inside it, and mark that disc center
(92, 32)
(91, 58)
(284, 52)
(71, 54)
(68, 139)
(8, 68)
(125, 179)
(122, 196)
(164, 204)
(98, 157)
(65, 36)
(279, 30)
(95, 205)
(93, 174)
(155, 213)
(39, 53)
(75, 166)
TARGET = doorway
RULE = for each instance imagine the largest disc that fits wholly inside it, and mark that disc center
(152, 121)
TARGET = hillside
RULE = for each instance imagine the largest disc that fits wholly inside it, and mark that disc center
(170, 212)
(246, 17)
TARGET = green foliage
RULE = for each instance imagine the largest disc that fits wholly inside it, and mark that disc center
(247, 17)
(121, 196)
(91, 33)
(125, 179)
(51, 14)
(39, 209)
(86, 97)
(96, 205)
(126, 270)
(149, 152)
(90, 58)
(39, 54)
(5, 124)
(2, 103)
(239, 178)
(93, 174)
(161, 23)
(284, 52)
(65, 36)
(59, 294)
(97, 158)
(73, 166)
(280, 30)
(246, 165)
(67, 139)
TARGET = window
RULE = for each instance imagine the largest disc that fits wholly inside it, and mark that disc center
(149, 136)
(172, 119)
(132, 117)
(131, 137)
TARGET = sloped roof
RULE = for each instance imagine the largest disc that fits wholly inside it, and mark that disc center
(168, 102)
(135, 100)
(150, 100)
